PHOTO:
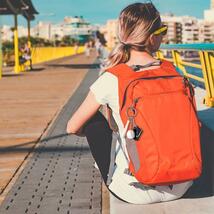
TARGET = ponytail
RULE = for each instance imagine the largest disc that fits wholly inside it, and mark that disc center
(120, 54)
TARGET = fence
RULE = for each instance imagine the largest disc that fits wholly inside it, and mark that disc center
(205, 62)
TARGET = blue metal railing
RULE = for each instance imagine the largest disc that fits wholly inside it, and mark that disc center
(196, 46)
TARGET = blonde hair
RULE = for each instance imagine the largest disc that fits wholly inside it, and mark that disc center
(136, 23)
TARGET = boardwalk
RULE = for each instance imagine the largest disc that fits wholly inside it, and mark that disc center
(60, 176)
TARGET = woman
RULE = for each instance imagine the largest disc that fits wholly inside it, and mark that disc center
(140, 34)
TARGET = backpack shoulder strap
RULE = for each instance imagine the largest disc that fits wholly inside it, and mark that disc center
(120, 69)
(126, 71)
(124, 74)
(169, 67)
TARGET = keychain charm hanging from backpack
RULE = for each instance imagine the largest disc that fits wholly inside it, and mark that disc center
(134, 132)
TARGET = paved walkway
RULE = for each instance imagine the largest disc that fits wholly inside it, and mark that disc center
(36, 97)
(29, 102)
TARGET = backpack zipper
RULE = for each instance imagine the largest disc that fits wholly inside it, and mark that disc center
(144, 78)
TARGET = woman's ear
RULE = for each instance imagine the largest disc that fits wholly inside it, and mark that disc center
(152, 39)
(154, 42)
(150, 43)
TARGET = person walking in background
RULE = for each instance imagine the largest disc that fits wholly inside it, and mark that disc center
(87, 49)
(100, 44)
(76, 47)
(98, 48)
(140, 33)
(101, 49)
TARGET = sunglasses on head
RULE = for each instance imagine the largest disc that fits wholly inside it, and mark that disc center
(162, 30)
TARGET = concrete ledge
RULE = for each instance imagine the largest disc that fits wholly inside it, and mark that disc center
(199, 198)
(184, 206)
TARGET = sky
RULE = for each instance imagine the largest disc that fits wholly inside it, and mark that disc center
(98, 11)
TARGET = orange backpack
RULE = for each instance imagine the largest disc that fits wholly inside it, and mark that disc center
(158, 106)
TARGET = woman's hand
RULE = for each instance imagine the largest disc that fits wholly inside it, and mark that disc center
(86, 110)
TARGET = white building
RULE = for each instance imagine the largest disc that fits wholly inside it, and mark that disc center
(186, 29)
(71, 26)
(209, 14)
(174, 23)
(190, 30)
(42, 30)
(110, 32)
(206, 31)
(6, 33)
(77, 27)
(22, 31)
(56, 31)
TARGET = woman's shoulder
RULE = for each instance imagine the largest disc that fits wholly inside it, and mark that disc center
(104, 88)
(105, 81)
(106, 76)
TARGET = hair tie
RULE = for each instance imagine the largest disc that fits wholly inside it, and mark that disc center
(127, 46)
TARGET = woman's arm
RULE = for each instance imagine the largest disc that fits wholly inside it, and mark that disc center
(86, 110)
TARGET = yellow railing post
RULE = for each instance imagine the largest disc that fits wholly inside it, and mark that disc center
(207, 67)
(159, 54)
(16, 46)
(207, 62)
(178, 61)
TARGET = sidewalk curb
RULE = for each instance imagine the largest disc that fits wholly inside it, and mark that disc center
(105, 200)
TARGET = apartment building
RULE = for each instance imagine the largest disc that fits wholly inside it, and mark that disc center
(190, 30)
(206, 31)
(181, 29)
(174, 34)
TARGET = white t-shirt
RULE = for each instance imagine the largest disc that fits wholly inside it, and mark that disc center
(105, 90)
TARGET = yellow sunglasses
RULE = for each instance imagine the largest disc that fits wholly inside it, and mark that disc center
(162, 30)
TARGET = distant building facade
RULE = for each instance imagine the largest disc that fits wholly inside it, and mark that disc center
(110, 32)
(6, 33)
(181, 29)
(76, 27)
(209, 14)
(174, 34)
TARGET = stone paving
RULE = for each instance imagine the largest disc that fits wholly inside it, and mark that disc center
(29, 102)
(60, 176)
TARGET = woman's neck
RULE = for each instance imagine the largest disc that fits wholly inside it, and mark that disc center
(140, 58)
